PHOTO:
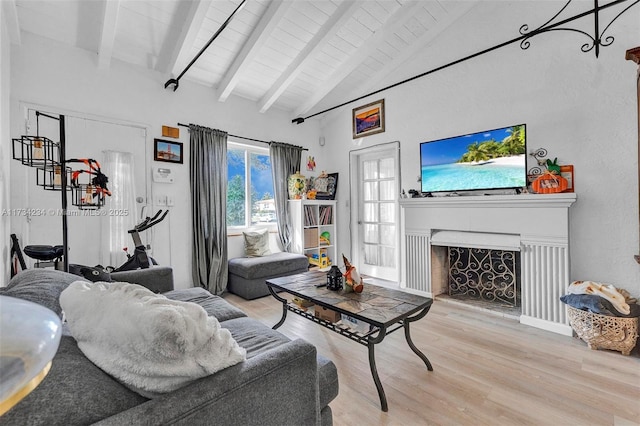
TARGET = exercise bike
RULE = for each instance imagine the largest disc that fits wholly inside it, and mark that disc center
(140, 259)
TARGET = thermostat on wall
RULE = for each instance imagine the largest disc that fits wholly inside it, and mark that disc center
(162, 175)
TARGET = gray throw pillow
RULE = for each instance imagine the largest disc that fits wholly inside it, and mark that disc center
(256, 243)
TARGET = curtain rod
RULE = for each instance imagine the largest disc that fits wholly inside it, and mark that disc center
(176, 81)
(248, 139)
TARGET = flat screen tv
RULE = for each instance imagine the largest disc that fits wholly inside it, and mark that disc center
(493, 159)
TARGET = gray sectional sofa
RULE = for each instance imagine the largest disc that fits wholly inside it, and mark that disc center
(282, 382)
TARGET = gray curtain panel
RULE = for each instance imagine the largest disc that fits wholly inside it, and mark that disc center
(208, 169)
(285, 161)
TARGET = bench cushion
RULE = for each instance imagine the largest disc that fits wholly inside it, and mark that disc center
(267, 266)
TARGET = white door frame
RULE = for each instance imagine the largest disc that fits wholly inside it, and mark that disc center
(354, 157)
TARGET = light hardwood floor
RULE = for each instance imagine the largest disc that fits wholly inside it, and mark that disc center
(488, 370)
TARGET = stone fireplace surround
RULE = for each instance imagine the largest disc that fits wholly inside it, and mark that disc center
(535, 224)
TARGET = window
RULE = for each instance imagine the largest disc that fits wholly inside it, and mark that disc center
(250, 187)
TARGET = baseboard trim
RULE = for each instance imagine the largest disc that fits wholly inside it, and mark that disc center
(554, 327)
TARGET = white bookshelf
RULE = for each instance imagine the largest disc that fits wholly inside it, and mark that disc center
(310, 219)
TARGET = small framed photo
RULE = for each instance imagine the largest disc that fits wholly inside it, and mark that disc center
(332, 186)
(368, 119)
(168, 151)
(567, 173)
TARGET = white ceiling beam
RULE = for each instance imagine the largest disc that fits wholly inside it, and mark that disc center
(415, 48)
(335, 22)
(10, 12)
(393, 24)
(108, 36)
(180, 39)
(268, 22)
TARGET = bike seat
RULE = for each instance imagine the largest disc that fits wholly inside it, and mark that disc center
(44, 252)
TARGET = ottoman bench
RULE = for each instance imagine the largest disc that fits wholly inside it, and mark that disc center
(247, 275)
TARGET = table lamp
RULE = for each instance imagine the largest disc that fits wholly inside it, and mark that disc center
(29, 339)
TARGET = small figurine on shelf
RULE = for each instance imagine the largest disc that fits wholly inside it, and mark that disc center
(352, 280)
(311, 195)
(325, 238)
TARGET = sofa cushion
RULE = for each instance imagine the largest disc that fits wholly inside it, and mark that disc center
(151, 343)
(158, 279)
(42, 286)
(254, 336)
(214, 305)
(327, 380)
(75, 391)
(267, 266)
(257, 338)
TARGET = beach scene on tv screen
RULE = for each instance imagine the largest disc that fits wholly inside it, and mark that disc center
(483, 160)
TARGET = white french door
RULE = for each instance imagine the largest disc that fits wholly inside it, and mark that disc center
(376, 187)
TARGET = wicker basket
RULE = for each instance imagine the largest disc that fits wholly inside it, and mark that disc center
(603, 331)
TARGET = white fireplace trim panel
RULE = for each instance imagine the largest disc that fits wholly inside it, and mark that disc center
(540, 222)
(483, 240)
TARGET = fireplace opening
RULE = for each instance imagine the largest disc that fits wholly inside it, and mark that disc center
(487, 279)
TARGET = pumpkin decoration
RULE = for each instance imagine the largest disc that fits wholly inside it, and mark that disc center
(549, 183)
(553, 166)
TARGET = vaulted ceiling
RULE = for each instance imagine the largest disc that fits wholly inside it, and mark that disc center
(290, 55)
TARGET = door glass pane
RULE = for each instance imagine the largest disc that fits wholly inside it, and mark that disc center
(371, 234)
(370, 169)
(370, 254)
(370, 191)
(388, 235)
(387, 190)
(388, 256)
(387, 212)
(370, 213)
(235, 187)
(387, 168)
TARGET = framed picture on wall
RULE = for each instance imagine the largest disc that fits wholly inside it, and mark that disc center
(368, 119)
(168, 151)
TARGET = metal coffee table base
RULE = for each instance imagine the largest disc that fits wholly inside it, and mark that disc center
(369, 339)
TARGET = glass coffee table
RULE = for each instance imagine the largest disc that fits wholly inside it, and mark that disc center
(381, 310)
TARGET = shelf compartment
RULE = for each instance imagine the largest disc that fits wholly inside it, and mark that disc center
(310, 237)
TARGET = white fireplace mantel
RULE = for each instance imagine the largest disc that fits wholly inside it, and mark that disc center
(541, 222)
(493, 201)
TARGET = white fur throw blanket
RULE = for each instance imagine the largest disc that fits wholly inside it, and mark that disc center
(150, 343)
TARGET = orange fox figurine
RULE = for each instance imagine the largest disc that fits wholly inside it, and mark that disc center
(353, 280)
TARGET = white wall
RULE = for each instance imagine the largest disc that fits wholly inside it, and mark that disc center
(5, 150)
(581, 109)
(47, 73)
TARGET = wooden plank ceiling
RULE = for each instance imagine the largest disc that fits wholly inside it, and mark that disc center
(291, 55)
